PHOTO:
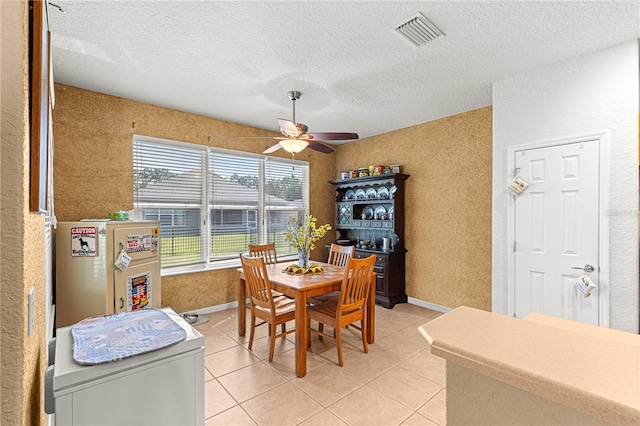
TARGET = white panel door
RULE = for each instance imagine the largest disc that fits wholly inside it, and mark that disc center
(556, 228)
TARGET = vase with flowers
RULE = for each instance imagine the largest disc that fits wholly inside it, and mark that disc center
(303, 235)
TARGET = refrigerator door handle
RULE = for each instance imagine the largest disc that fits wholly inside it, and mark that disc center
(121, 303)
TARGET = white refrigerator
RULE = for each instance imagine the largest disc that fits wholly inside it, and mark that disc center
(88, 282)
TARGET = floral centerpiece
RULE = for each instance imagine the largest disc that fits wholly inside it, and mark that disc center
(303, 236)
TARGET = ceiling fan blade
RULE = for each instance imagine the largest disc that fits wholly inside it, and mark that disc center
(320, 147)
(288, 128)
(332, 136)
(274, 148)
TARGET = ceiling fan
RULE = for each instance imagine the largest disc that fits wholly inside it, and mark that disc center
(295, 137)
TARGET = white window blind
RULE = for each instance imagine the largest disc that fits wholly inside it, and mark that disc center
(212, 203)
(286, 196)
(168, 185)
(234, 184)
(49, 225)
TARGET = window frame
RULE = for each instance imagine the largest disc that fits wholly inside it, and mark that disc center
(206, 206)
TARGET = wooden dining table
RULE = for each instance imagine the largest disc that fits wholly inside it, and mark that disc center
(301, 288)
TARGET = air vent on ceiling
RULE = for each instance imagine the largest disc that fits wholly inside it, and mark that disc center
(417, 30)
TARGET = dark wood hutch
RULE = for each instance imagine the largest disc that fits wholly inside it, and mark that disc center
(370, 211)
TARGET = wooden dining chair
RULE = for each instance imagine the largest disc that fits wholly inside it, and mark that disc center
(349, 308)
(268, 252)
(338, 255)
(271, 310)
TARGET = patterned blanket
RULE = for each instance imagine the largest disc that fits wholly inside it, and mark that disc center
(110, 338)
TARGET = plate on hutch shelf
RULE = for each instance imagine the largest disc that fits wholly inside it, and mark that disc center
(381, 213)
(372, 194)
(367, 213)
(383, 193)
(350, 195)
(391, 213)
(360, 194)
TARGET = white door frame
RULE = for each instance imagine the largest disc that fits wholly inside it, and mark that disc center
(603, 219)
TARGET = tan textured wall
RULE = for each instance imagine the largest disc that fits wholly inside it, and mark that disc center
(448, 203)
(34, 346)
(12, 157)
(93, 171)
(22, 239)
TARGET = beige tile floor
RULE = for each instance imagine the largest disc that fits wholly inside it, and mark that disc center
(398, 382)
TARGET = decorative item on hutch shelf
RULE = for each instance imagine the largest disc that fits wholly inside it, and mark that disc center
(395, 168)
(377, 170)
(355, 173)
(344, 175)
(363, 172)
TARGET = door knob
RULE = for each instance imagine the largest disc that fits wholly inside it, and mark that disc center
(586, 268)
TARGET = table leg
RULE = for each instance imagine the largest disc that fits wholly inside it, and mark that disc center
(301, 334)
(371, 312)
(242, 301)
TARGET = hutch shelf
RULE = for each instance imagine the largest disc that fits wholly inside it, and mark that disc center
(370, 216)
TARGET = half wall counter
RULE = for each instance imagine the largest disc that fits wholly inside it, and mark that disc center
(537, 370)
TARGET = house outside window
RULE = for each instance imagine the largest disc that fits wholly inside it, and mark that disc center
(212, 203)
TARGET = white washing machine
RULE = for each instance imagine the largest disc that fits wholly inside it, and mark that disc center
(163, 387)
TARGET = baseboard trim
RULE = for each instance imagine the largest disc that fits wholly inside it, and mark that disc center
(428, 305)
(211, 309)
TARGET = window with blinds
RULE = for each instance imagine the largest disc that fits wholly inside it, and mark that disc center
(286, 196)
(212, 203)
(234, 185)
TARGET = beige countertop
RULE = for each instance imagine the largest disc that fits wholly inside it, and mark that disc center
(592, 369)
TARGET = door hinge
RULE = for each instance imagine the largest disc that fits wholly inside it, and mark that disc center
(514, 247)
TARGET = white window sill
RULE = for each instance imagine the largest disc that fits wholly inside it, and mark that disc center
(215, 266)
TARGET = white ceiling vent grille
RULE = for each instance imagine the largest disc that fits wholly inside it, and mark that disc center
(417, 30)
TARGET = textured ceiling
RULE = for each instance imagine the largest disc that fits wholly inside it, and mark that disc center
(236, 60)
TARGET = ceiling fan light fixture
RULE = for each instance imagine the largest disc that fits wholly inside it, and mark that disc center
(293, 145)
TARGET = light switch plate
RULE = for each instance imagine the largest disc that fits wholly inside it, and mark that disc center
(31, 308)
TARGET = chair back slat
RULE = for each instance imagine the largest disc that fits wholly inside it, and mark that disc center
(340, 255)
(356, 284)
(257, 280)
(267, 251)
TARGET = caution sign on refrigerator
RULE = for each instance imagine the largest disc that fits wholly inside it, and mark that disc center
(138, 291)
(83, 241)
